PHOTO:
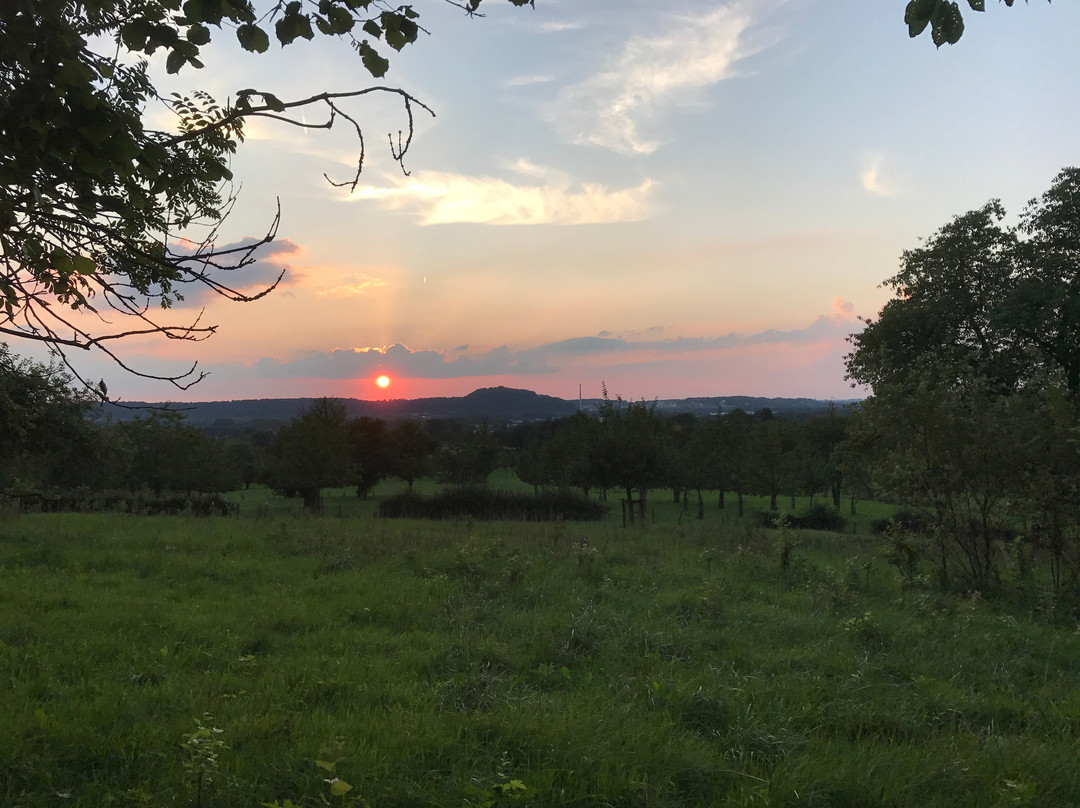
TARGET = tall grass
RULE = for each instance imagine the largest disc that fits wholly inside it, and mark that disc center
(226, 662)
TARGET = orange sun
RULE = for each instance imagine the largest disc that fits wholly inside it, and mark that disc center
(383, 381)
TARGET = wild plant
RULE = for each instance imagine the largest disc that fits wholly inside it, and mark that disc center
(787, 542)
(515, 569)
(203, 747)
(500, 789)
(905, 550)
(865, 630)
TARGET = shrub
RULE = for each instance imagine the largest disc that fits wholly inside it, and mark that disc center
(820, 517)
(488, 504)
(817, 517)
(142, 503)
(903, 519)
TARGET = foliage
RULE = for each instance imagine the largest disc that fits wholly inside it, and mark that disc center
(372, 456)
(44, 437)
(816, 517)
(311, 453)
(411, 448)
(486, 503)
(975, 366)
(99, 211)
(628, 451)
(468, 458)
(979, 295)
(943, 16)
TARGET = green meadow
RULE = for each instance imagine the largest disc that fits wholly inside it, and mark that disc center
(355, 661)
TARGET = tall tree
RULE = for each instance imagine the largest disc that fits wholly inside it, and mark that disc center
(45, 438)
(410, 450)
(371, 452)
(311, 453)
(628, 450)
(981, 295)
(975, 369)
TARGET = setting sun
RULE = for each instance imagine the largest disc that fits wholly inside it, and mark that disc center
(383, 381)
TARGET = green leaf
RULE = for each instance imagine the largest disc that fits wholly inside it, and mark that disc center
(917, 15)
(198, 34)
(977, 5)
(947, 24)
(375, 64)
(252, 38)
(326, 765)
(400, 30)
(372, 27)
(292, 26)
(174, 62)
(339, 787)
(341, 21)
(84, 265)
(134, 34)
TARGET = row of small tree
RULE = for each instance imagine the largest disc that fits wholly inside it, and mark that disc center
(53, 439)
(50, 439)
(630, 448)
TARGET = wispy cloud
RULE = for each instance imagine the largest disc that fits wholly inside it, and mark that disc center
(555, 27)
(872, 176)
(351, 285)
(652, 73)
(525, 81)
(444, 198)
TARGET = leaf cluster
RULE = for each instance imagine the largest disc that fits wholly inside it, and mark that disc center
(943, 17)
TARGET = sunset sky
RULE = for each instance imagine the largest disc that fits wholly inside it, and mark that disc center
(678, 198)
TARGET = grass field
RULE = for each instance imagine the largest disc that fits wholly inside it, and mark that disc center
(662, 509)
(243, 662)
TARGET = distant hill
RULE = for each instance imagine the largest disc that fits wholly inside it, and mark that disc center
(497, 404)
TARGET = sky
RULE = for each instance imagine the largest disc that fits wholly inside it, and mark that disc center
(678, 198)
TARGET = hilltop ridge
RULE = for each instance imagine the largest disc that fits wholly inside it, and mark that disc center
(492, 403)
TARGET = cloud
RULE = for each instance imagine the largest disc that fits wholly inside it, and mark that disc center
(651, 74)
(444, 198)
(351, 285)
(525, 81)
(871, 176)
(406, 362)
(844, 308)
(557, 27)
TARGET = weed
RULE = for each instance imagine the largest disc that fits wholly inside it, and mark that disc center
(499, 789)
(202, 748)
(866, 631)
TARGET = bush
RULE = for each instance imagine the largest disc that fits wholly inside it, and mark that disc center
(820, 517)
(488, 504)
(903, 519)
(817, 517)
(142, 503)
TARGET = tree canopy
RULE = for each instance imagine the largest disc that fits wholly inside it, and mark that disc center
(980, 296)
(98, 208)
